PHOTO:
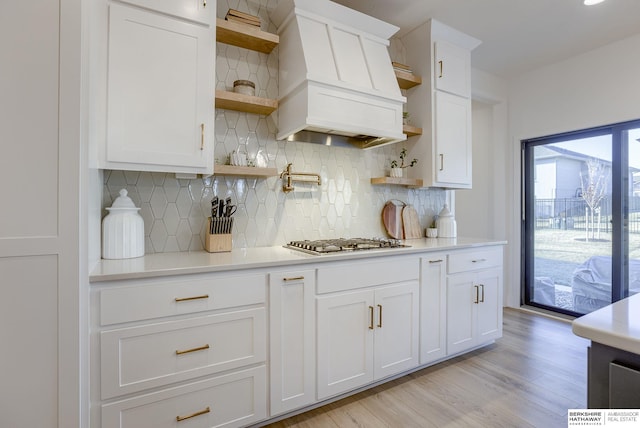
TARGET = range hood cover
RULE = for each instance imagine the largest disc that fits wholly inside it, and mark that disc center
(335, 75)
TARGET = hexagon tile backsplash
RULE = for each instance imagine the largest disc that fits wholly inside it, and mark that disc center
(175, 211)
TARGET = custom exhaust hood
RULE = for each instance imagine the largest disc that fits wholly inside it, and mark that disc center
(336, 81)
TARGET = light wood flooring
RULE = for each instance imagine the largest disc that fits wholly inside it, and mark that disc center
(528, 378)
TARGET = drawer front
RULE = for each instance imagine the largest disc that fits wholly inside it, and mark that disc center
(358, 274)
(137, 358)
(233, 400)
(146, 299)
(481, 258)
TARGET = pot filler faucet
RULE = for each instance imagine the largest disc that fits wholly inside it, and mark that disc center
(289, 177)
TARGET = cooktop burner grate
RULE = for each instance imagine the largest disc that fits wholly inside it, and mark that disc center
(327, 246)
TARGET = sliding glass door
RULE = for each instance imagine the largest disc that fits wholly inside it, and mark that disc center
(581, 218)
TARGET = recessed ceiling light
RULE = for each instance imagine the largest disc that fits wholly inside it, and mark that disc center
(590, 2)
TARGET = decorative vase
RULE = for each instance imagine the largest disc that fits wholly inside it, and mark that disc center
(396, 172)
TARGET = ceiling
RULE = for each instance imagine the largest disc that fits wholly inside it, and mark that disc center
(517, 35)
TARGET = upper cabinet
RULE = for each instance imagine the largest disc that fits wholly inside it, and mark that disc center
(159, 84)
(442, 105)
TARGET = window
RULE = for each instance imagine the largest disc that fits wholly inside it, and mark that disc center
(581, 218)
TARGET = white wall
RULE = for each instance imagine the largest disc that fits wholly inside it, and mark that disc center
(596, 88)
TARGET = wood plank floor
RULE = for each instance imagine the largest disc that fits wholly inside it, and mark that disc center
(528, 378)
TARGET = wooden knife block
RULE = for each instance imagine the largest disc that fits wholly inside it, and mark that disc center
(217, 243)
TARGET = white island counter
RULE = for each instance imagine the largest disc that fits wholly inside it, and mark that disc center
(616, 325)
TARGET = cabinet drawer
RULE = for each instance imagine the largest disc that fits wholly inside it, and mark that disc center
(137, 358)
(358, 274)
(233, 400)
(481, 258)
(147, 299)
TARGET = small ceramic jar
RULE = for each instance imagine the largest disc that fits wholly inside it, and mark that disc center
(122, 230)
(246, 87)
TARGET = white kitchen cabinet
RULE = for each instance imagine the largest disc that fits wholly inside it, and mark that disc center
(452, 69)
(366, 335)
(441, 105)
(474, 298)
(160, 86)
(433, 308)
(192, 346)
(291, 339)
(452, 143)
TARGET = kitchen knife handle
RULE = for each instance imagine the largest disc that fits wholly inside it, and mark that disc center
(477, 294)
(379, 316)
(202, 126)
(370, 317)
(441, 67)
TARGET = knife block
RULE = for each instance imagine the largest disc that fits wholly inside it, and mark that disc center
(218, 242)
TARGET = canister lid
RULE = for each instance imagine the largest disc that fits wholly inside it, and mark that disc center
(244, 83)
(123, 202)
(445, 212)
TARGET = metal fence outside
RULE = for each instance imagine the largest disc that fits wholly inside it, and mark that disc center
(570, 213)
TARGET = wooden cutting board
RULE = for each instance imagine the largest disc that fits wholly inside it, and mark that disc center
(392, 218)
(411, 223)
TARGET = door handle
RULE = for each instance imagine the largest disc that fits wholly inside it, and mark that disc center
(482, 295)
(477, 294)
(441, 162)
(441, 67)
(379, 316)
(202, 128)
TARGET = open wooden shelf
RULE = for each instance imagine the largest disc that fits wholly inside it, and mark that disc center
(245, 36)
(411, 130)
(246, 103)
(400, 181)
(407, 80)
(245, 171)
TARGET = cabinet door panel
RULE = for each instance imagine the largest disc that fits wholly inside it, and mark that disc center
(452, 69)
(453, 139)
(160, 92)
(461, 312)
(490, 307)
(292, 339)
(433, 307)
(396, 333)
(345, 342)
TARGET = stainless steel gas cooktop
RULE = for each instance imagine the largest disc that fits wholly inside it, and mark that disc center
(328, 246)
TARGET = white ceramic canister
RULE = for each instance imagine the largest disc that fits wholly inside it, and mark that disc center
(122, 230)
(447, 227)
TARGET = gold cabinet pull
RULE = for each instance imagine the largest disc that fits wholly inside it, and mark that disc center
(202, 128)
(478, 260)
(482, 295)
(436, 261)
(441, 67)
(187, 351)
(204, 3)
(370, 317)
(193, 415)
(294, 278)
(184, 299)
(379, 316)
(477, 294)
(441, 162)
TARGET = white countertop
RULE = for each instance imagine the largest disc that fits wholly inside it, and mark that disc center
(162, 264)
(616, 325)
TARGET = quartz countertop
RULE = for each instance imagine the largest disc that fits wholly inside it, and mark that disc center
(179, 263)
(616, 325)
